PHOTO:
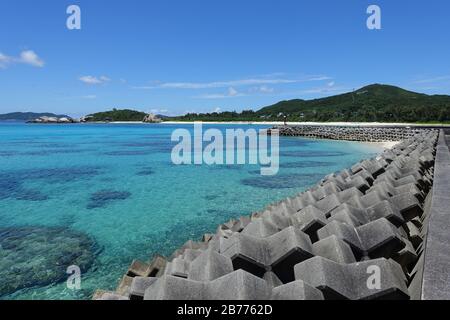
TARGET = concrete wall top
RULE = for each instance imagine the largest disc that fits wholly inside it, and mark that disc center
(436, 274)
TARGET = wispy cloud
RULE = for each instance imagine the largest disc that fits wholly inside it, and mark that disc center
(321, 90)
(28, 57)
(261, 89)
(31, 58)
(433, 80)
(428, 88)
(232, 83)
(155, 111)
(218, 84)
(231, 93)
(4, 61)
(91, 80)
(78, 97)
(89, 96)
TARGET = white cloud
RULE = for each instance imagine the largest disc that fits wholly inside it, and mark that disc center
(322, 90)
(160, 111)
(319, 78)
(428, 88)
(266, 89)
(433, 80)
(231, 83)
(217, 110)
(232, 92)
(261, 89)
(331, 84)
(31, 58)
(89, 96)
(26, 57)
(91, 80)
(212, 96)
(273, 74)
(222, 84)
(4, 60)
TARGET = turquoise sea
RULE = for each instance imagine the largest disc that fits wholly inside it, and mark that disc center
(101, 195)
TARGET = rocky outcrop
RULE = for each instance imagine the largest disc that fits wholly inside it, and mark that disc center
(86, 118)
(151, 118)
(46, 119)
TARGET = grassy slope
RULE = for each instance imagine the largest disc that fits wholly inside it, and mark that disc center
(374, 103)
(371, 103)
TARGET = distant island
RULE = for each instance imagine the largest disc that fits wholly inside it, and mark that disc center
(373, 103)
(122, 115)
(28, 116)
(114, 115)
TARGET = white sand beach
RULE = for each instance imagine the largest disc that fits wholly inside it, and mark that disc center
(385, 145)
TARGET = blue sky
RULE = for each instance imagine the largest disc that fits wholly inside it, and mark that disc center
(174, 57)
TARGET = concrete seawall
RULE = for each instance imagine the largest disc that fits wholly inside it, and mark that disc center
(435, 284)
(378, 230)
(366, 134)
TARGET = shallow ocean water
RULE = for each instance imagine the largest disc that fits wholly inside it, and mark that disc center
(116, 187)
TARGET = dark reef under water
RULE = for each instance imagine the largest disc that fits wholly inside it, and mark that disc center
(102, 198)
(12, 182)
(145, 171)
(37, 256)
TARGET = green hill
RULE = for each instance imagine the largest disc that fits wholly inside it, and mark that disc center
(376, 102)
(373, 103)
(117, 115)
(27, 116)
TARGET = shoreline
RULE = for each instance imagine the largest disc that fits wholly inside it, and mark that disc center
(271, 123)
(387, 145)
(331, 124)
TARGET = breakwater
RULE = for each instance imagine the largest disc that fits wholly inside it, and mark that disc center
(365, 134)
(362, 233)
